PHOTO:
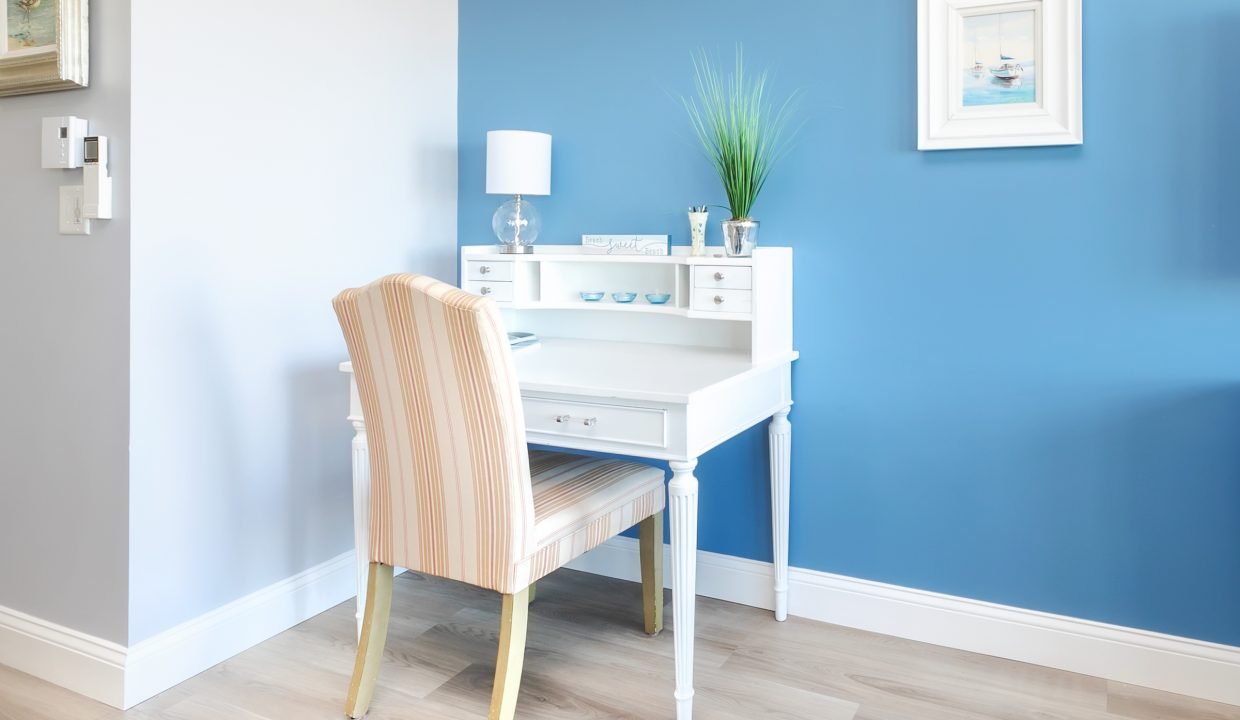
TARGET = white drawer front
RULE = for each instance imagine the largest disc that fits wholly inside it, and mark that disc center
(723, 301)
(499, 291)
(487, 270)
(725, 277)
(597, 421)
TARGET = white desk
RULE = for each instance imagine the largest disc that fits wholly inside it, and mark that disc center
(663, 382)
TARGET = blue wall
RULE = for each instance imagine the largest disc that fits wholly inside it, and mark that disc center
(1020, 373)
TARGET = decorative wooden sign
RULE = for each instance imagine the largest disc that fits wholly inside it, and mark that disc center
(625, 244)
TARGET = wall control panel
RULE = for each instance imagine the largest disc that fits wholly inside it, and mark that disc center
(67, 144)
(63, 142)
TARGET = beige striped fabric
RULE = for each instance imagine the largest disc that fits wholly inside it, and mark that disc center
(453, 493)
(581, 502)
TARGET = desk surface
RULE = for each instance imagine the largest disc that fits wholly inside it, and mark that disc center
(627, 370)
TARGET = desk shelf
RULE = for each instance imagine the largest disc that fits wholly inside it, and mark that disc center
(739, 304)
(607, 305)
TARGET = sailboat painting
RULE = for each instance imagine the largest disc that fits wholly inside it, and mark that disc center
(998, 54)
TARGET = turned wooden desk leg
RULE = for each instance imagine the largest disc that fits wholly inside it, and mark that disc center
(361, 514)
(683, 509)
(781, 474)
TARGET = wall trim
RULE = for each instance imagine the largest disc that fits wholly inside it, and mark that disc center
(1139, 657)
(85, 664)
(177, 654)
(123, 677)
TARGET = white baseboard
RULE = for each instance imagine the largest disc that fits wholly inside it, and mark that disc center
(84, 664)
(182, 652)
(123, 677)
(1165, 662)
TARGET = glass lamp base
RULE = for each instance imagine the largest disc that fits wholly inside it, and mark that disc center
(516, 224)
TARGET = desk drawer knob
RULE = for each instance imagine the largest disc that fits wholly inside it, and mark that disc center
(718, 299)
(590, 422)
(484, 269)
(563, 418)
(719, 277)
(486, 290)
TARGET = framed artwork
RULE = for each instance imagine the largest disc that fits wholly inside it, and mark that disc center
(44, 45)
(998, 73)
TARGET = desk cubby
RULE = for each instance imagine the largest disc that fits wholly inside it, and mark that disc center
(739, 304)
(562, 283)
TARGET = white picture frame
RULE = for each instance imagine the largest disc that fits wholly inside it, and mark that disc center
(990, 104)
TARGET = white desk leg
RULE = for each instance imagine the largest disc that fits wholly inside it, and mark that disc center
(781, 473)
(361, 513)
(683, 508)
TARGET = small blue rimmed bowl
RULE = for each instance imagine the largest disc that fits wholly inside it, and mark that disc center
(658, 298)
(592, 296)
(624, 297)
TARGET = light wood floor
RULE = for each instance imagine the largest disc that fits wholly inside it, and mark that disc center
(588, 658)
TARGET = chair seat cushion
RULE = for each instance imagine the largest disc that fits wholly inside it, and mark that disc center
(580, 502)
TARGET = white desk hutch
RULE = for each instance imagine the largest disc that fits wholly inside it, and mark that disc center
(666, 382)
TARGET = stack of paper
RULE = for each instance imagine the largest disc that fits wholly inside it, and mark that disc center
(517, 340)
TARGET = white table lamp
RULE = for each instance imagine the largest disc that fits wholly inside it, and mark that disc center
(518, 163)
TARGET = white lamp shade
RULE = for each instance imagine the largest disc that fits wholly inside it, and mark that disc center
(518, 163)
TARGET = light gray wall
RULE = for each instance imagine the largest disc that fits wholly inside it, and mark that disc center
(64, 350)
(283, 152)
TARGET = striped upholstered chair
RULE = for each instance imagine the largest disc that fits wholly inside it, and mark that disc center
(454, 491)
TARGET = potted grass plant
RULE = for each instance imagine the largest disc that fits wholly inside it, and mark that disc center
(743, 135)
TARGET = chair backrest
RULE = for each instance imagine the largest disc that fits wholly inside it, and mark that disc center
(449, 469)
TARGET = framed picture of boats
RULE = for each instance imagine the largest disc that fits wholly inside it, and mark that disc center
(44, 46)
(999, 73)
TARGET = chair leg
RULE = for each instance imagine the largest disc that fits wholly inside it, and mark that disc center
(651, 546)
(533, 592)
(374, 634)
(513, 617)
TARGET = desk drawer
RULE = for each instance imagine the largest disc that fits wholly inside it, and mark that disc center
(488, 270)
(597, 421)
(724, 277)
(722, 301)
(500, 291)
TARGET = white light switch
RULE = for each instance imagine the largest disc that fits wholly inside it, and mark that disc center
(72, 219)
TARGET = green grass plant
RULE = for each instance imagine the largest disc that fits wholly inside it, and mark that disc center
(742, 132)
